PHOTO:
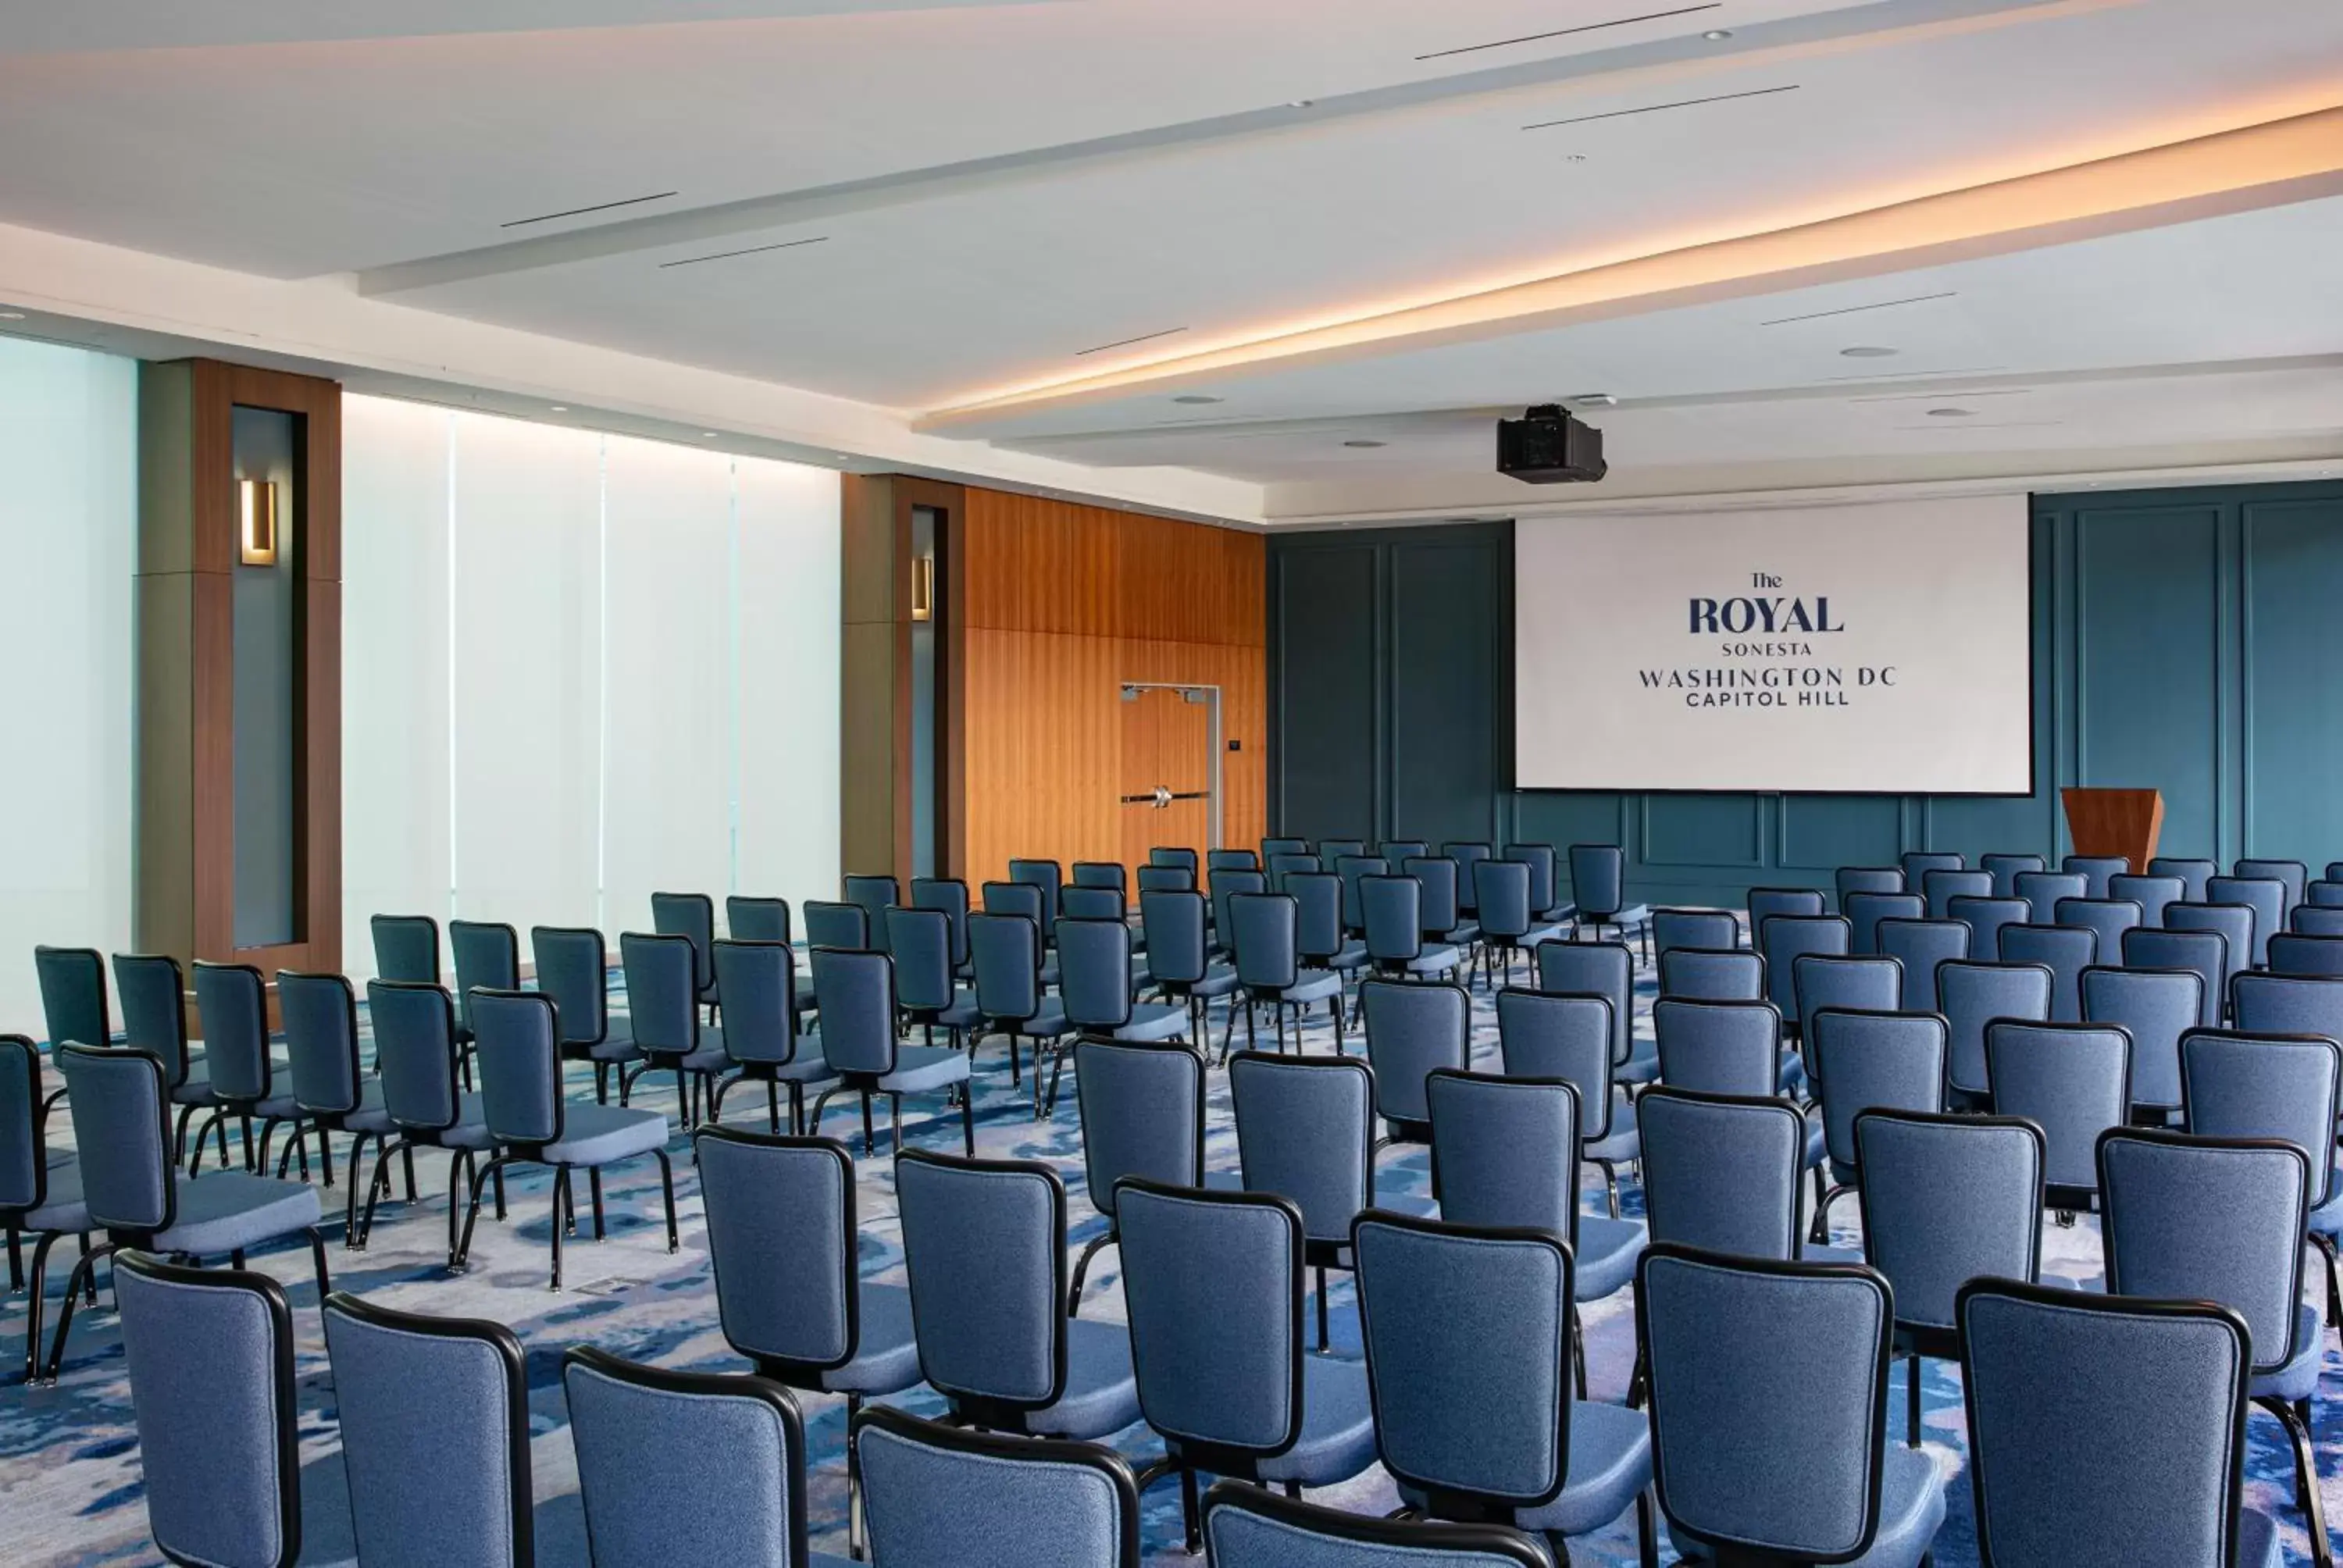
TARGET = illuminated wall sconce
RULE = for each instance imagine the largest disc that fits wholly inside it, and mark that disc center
(923, 587)
(258, 501)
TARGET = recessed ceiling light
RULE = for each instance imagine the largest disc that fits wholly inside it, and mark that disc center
(1594, 400)
(1717, 34)
(1949, 413)
(559, 408)
(1301, 104)
(1196, 398)
(1363, 444)
(708, 434)
(1867, 351)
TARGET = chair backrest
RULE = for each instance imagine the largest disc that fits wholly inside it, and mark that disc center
(573, 970)
(73, 995)
(2315, 919)
(984, 1252)
(1101, 874)
(763, 919)
(781, 1239)
(1318, 915)
(406, 948)
(24, 1155)
(1232, 882)
(685, 1467)
(2111, 918)
(1752, 1450)
(692, 917)
(1283, 847)
(856, 994)
(1250, 1527)
(1281, 866)
(759, 980)
(1864, 911)
(2047, 1374)
(487, 957)
(2097, 871)
(1918, 863)
(1094, 971)
(1044, 875)
(519, 1035)
(2274, 1002)
(1598, 878)
(2291, 875)
(2073, 1079)
(1971, 994)
(2326, 891)
(1541, 859)
(1946, 1199)
(2157, 1007)
(920, 942)
(1828, 980)
(1006, 951)
(2065, 950)
(1766, 903)
(1173, 925)
(1231, 860)
(1559, 1035)
(1986, 916)
(1411, 1031)
(1719, 1047)
(948, 896)
(154, 1011)
(1469, 856)
(1305, 1132)
(2205, 952)
(2042, 889)
(2237, 1084)
(1173, 855)
(2298, 953)
(122, 1136)
(1473, 1432)
(210, 1355)
(232, 1000)
(1941, 888)
(942, 1494)
(1143, 1108)
(434, 1417)
(1211, 1283)
(1606, 970)
(1785, 939)
(2186, 1216)
(1356, 869)
(1707, 929)
(1077, 902)
(1505, 1149)
(662, 992)
(1721, 1171)
(1920, 947)
(1852, 879)
(2150, 893)
(1393, 911)
(1874, 1062)
(321, 1042)
(2193, 874)
(415, 1053)
(1710, 974)
(1263, 938)
(829, 923)
(1436, 876)
(2006, 869)
(2236, 922)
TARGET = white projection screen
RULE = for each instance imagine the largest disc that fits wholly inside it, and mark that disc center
(1880, 648)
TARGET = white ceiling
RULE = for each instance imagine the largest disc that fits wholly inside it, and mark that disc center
(1278, 166)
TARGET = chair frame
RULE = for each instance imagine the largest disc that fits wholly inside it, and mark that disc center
(769, 1072)
(462, 1163)
(866, 1084)
(999, 1445)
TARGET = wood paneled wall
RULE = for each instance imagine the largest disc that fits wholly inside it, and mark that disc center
(1060, 604)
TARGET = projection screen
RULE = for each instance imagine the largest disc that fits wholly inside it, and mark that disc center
(1880, 648)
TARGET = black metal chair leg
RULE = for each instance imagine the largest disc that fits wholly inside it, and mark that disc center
(594, 1185)
(2305, 1477)
(463, 1252)
(868, 1145)
(15, 1259)
(1821, 1232)
(1912, 1400)
(33, 1319)
(967, 1118)
(1647, 1535)
(1190, 1516)
(666, 1192)
(1081, 1270)
(820, 1103)
(561, 1222)
(84, 1268)
(1325, 1340)
(317, 1254)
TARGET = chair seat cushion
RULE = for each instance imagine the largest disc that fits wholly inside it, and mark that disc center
(1540, 930)
(2256, 1540)
(709, 1056)
(2298, 1378)
(197, 1089)
(1463, 933)
(1101, 1390)
(1814, 1252)
(616, 1044)
(1911, 1511)
(921, 1067)
(64, 1211)
(471, 1129)
(1643, 1066)
(1223, 1181)
(1153, 1021)
(1049, 1020)
(1338, 1426)
(371, 1116)
(1219, 981)
(228, 1210)
(1610, 1462)
(1436, 959)
(1311, 985)
(598, 1134)
(1792, 1080)
(808, 1066)
(887, 1355)
(1352, 956)
(2326, 1220)
(1049, 971)
(961, 1014)
(1623, 1142)
(1557, 915)
(1607, 1250)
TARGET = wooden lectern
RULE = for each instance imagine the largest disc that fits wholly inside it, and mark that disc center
(2124, 822)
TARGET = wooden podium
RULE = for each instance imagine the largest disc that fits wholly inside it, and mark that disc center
(2124, 822)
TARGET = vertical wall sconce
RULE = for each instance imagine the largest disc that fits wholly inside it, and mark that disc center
(257, 499)
(923, 587)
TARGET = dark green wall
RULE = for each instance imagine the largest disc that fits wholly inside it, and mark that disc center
(2190, 639)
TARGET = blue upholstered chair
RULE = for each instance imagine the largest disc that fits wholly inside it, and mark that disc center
(1921, 947)
(941, 1494)
(210, 1356)
(1246, 1527)
(573, 970)
(1230, 882)
(2327, 892)
(2150, 893)
(1317, 923)
(533, 1122)
(1288, 846)
(2065, 950)
(1971, 995)
(678, 1467)
(417, 1060)
(1768, 903)
(1786, 938)
(406, 948)
(2042, 889)
(1142, 1107)
(877, 893)
(1468, 854)
(1871, 1060)
(2267, 1083)
(1280, 866)
(1763, 1457)
(1711, 974)
(2291, 875)
(1006, 950)
(2202, 951)
(1096, 980)
(2111, 918)
(1547, 1035)
(1986, 916)
(1598, 888)
(1918, 863)
(1172, 922)
(1852, 879)
(1468, 1331)
(1712, 930)
(1077, 902)
(1721, 1173)
(2097, 871)
(155, 1021)
(1545, 892)
(1177, 857)
(2155, 1006)
(784, 1245)
(2190, 1217)
(1265, 937)
(1720, 1047)
(1354, 868)
(434, 1418)
(2316, 920)
(2194, 874)
(1864, 912)
(1394, 911)
(921, 943)
(1509, 925)
(1212, 1283)
(948, 896)
(2281, 1004)
(1843, 981)
(1941, 888)
(692, 917)
(1101, 874)
(2237, 925)
(1443, 910)
(2071, 1079)
(1946, 1200)
(2298, 953)
(1495, 1143)
(2005, 870)
(984, 1248)
(663, 992)
(232, 1000)
(133, 1192)
(73, 996)
(761, 1037)
(487, 957)
(36, 1197)
(2048, 1373)
(331, 1091)
(1606, 970)
(1413, 1031)
(856, 994)
(1046, 876)
(846, 925)
(1396, 851)
(749, 919)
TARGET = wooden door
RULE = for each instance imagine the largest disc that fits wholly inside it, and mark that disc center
(1167, 774)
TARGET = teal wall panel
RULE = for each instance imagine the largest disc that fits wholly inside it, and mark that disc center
(1703, 830)
(2293, 743)
(1822, 832)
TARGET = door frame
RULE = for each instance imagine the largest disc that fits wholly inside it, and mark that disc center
(1127, 689)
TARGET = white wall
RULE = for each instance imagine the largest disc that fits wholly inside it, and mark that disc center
(579, 669)
(68, 528)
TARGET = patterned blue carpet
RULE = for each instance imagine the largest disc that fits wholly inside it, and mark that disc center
(69, 1477)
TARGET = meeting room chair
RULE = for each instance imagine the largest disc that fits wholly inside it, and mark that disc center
(2096, 871)
(942, 1494)
(2150, 893)
(1281, 867)
(1046, 876)
(1918, 863)
(1468, 853)
(1714, 929)
(765, 920)
(2291, 875)
(1234, 859)
(1940, 888)
(2194, 874)
(1546, 890)
(533, 1122)
(2156, 1007)
(1866, 911)
(1101, 874)
(1763, 1458)
(1265, 939)
(1850, 881)
(2235, 924)
(1227, 883)
(232, 1000)
(1171, 921)
(1785, 939)
(2240, 1084)
(1175, 855)
(1869, 1061)
(486, 955)
(984, 1252)
(2049, 1374)
(1397, 850)
(1598, 892)
(829, 923)
(948, 896)
(2327, 892)
(2073, 1082)
(663, 993)
(1332, 849)
(1508, 925)
(926, 986)
(2065, 950)
(2275, 1004)
(2110, 918)
(573, 970)
(1442, 911)
(416, 1059)
(1318, 932)
(1606, 970)
(201, 1344)
(1392, 909)
(762, 1039)
(1724, 1047)
(2042, 889)
(1412, 1030)
(1142, 1105)
(1986, 916)
(1468, 1332)
(1006, 950)
(1285, 846)
(37, 1198)
(1076, 902)
(1843, 981)
(1721, 1173)
(155, 1021)
(859, 1041)
(1097, 983)
(878, 892)
(1246, 1527)
(1972, 994)
(1923, 947)
(2204, 953)
(332, 1091)
(2006, 869)
(1542, 1035)
(1765, 903)
(692, 917)
(2315, 921)
(2266, 897)
(2295, 953)
(71, 983)
(1946, 1200)
(406, 948)
(435, 1429)
(1706, 974)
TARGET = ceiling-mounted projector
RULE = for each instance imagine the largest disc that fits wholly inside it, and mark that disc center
(1547, 447)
